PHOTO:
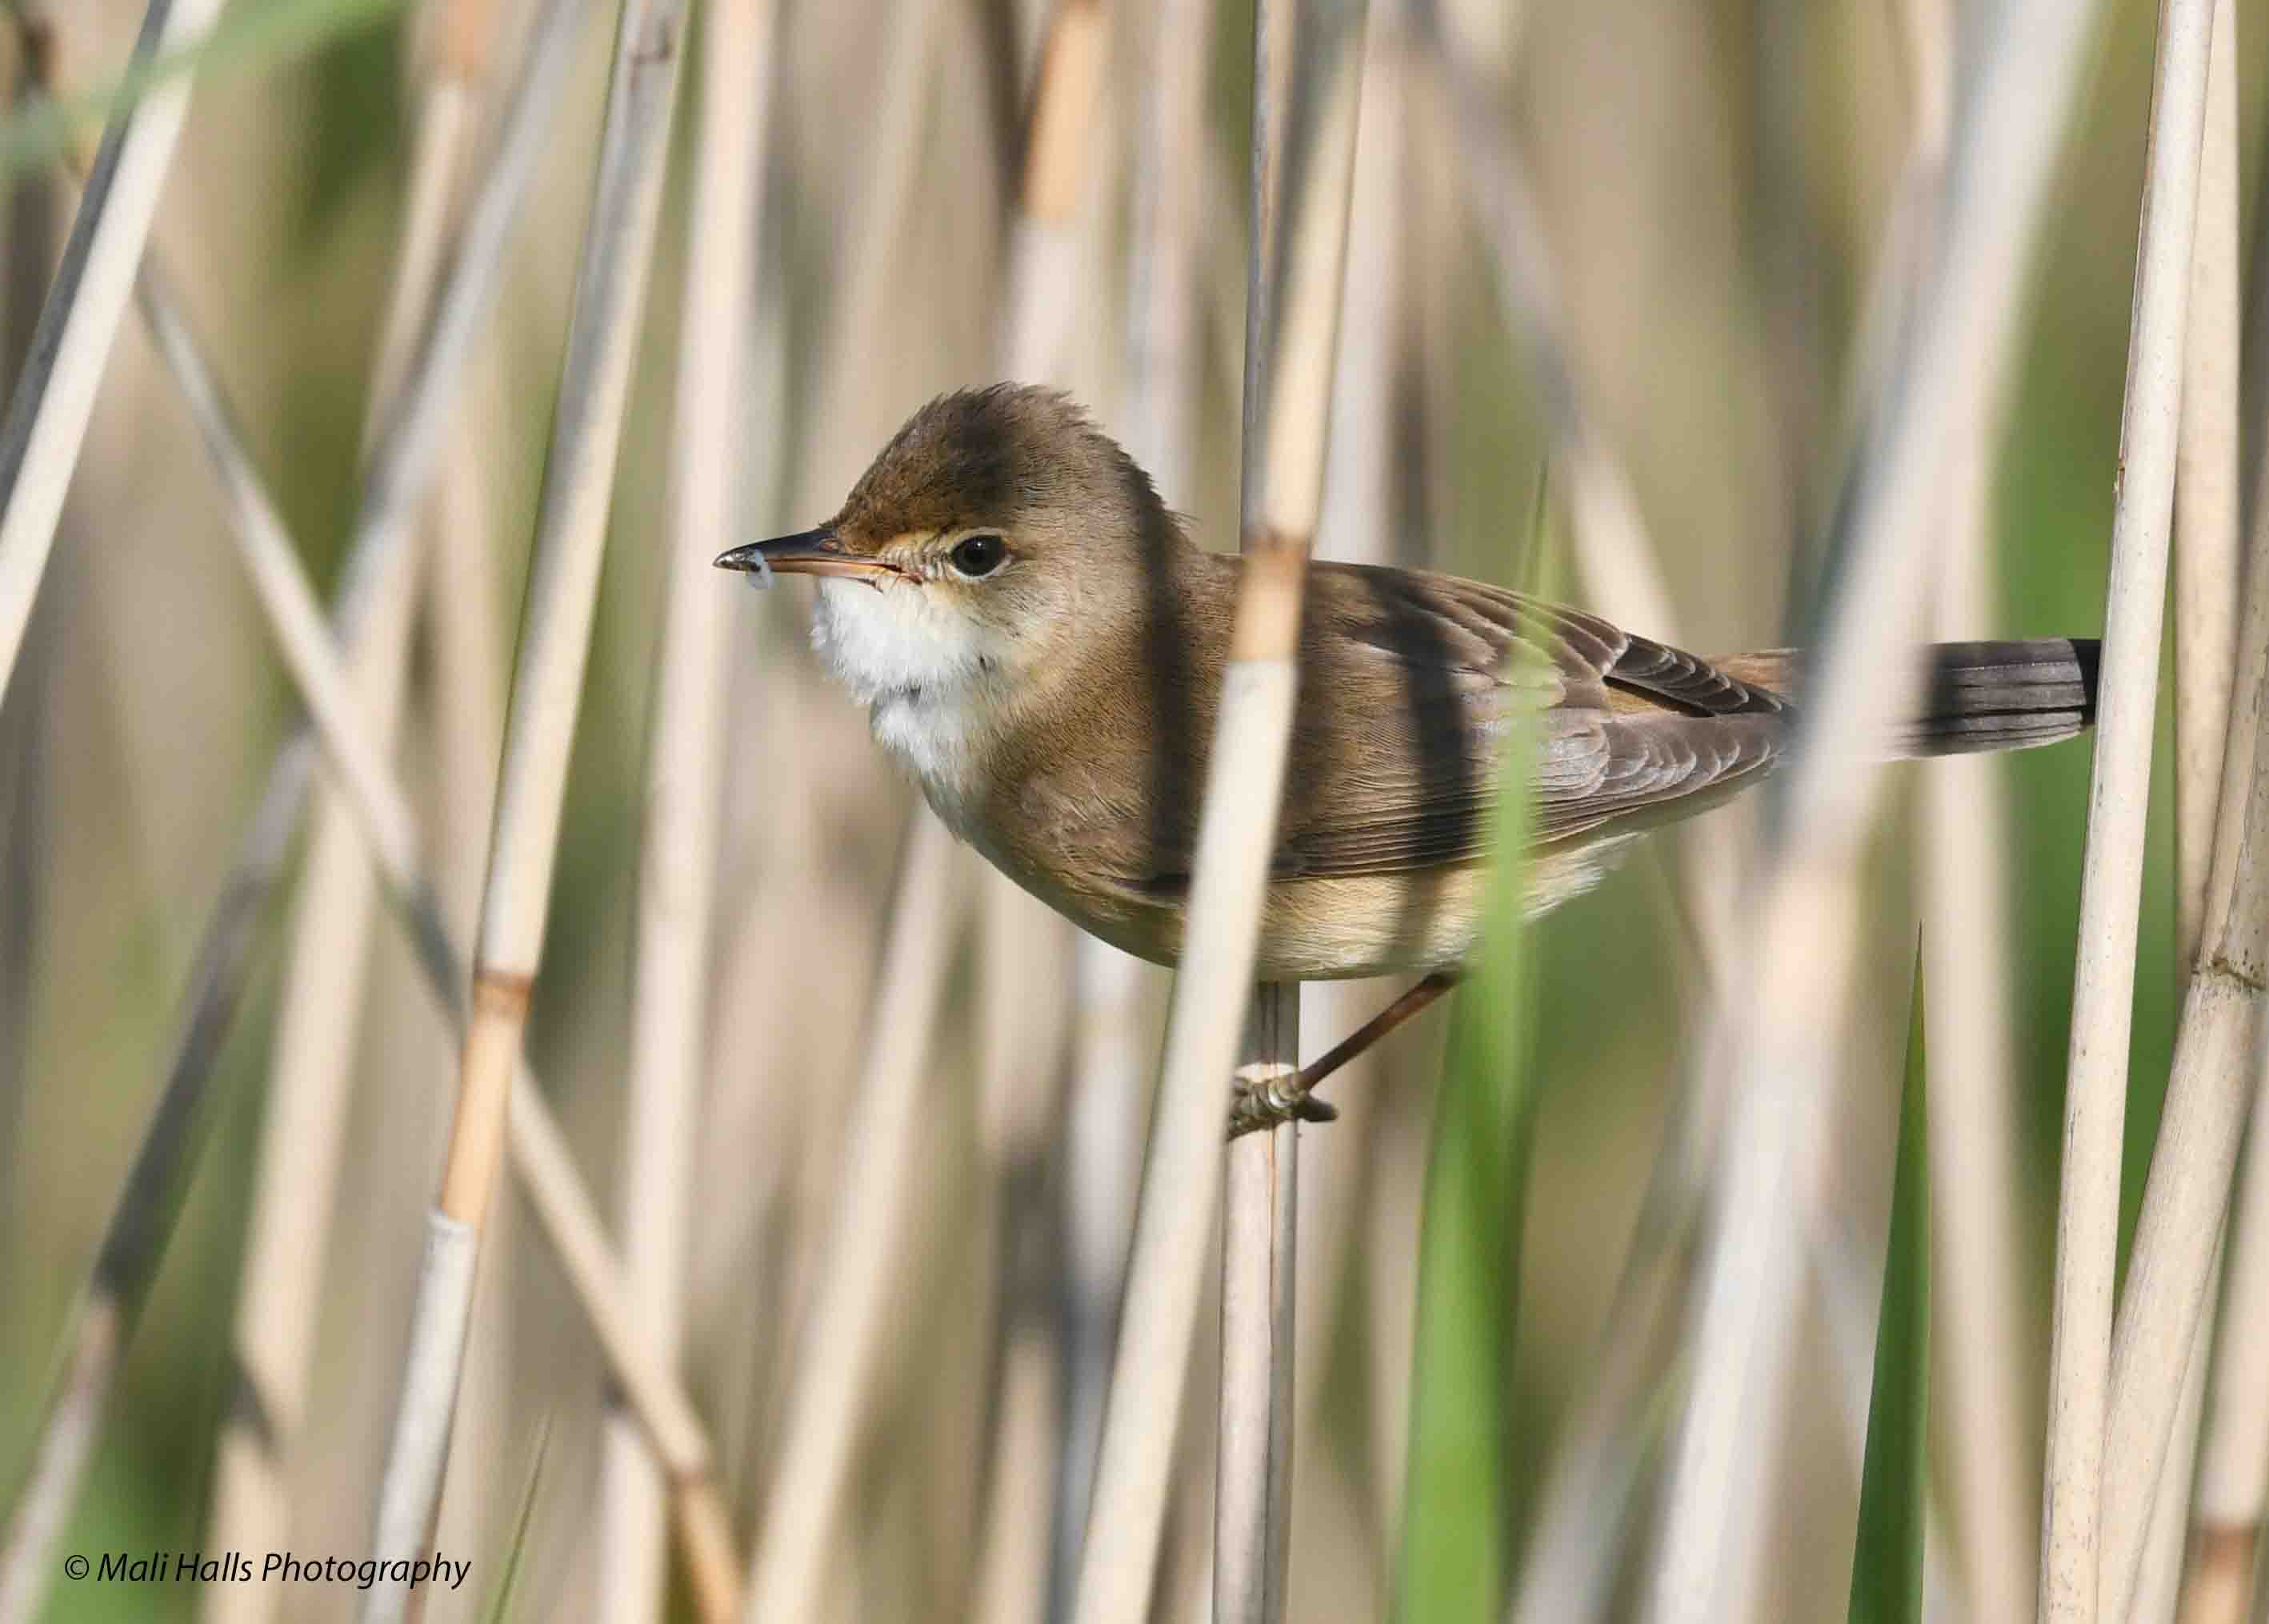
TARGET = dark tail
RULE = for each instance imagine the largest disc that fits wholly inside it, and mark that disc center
(2006, 695)
(1982, 695)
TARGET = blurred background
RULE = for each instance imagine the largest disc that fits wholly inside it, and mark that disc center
(1713, 184)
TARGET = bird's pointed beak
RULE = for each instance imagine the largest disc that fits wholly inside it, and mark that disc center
(809, 552)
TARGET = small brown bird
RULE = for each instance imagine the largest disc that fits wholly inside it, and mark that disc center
(1038, 640)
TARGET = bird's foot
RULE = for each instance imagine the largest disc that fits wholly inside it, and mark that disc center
(1269, 1096)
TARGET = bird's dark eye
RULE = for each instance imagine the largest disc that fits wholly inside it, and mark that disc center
(979, 555)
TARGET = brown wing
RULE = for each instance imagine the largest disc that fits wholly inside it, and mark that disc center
(1411, 684)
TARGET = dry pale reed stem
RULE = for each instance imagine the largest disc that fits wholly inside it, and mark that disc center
(1252, 1475)
(2005, 139)
(843, 1337)
(277, 1308)
(301, 1132)
(1307, 76)
(2169, 1273)
(2110, 896)
(1012, 1566)
(395, 484)
(1306, 100)
(1044, 289)
(66, 1444)
(555, 637)
(144, 1213)
(668, 1010)
(2233, 1477)
(873, 251)
(46, 418)
(1970, 1078)
(2207, 581)
(1109, 1102)
(303, 637)
(554, 1189)
(2206, 551)
(1369, 500)
(1970, 1084)
(1028, 962)
(2158, 1583)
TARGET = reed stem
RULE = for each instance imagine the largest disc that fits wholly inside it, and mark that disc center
(1307, 82)
(539, 734)
(2082, 1534)
(669, 1008)
(1780, 1034)
(46, 417)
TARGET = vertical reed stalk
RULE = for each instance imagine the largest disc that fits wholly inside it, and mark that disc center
(2158, 1583)
(47, 414)
(1108, 1091)
(684, 772)
(302, 1131)
(2169, 1271)
(1779, 1035)
(843, 1337)
(158, 1182)
(2208, 576)
(1029, 960)
(1970, 1071)
(2233, 1475)
(2073, 1515)
(539, 733)
(2208, 556)
(2170, 1275)
(1307, 79)
(547, 1172)
(1971, 1083)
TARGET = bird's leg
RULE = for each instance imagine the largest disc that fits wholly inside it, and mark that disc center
(1265, 1102)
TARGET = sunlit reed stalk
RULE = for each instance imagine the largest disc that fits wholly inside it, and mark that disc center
(157, 1183)
(2207, 569)
(2233, 1473)
(2110, 896)
(46, 417)
(539, 735)
(1108, 1098)
(547, 1172)
(2170, 1273)
(1966, 952)
(1029, 952)
(1307, 93)
(684, 772)
(1367, 518)
(1971, 1121)
(2207, 584)
(1594, 1474)
(843, 1336)
(826, 1373)
(2159, 1576)
(2005, 135)
(303, 1129)
(1307, 78)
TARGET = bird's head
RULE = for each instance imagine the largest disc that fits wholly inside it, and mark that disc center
(998, 536)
